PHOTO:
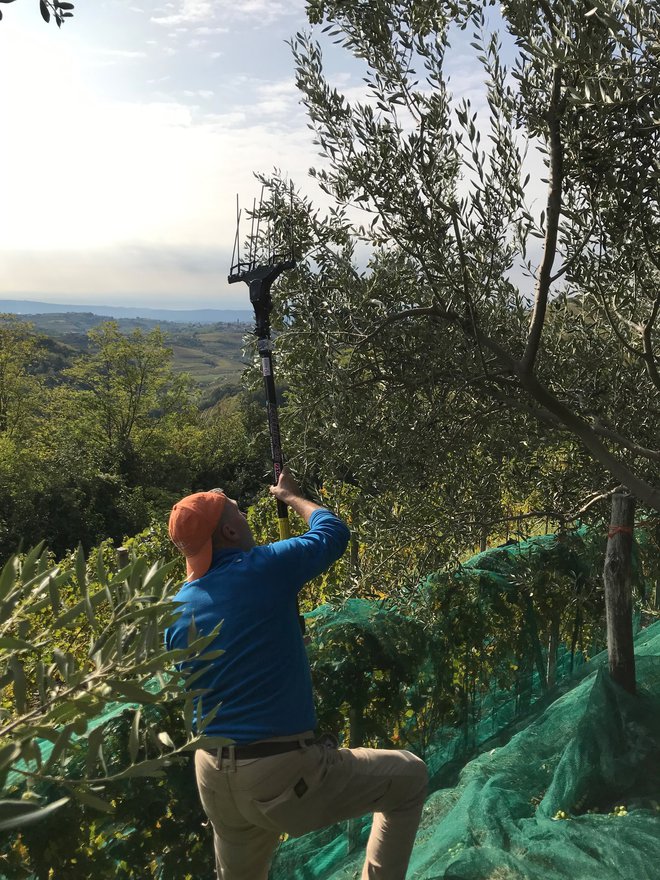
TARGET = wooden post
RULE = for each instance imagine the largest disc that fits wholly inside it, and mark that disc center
(122, 557)
(617, 575)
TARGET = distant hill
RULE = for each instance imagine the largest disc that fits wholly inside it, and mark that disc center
(177, 316)
(211, 353)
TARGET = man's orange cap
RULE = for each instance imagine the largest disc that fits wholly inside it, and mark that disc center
(192, 523)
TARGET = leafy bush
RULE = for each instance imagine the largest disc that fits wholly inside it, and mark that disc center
(156, 829)
(59, 701)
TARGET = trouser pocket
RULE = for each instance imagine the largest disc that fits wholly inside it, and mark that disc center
(310, 801)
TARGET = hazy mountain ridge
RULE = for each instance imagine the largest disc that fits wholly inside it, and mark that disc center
(176, 316)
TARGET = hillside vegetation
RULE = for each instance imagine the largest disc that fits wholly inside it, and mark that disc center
(208, 352)
(103, 432)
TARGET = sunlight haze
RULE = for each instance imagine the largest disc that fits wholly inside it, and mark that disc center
(128, 133)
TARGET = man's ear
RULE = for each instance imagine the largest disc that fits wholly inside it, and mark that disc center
(224, 534)
(228, 532)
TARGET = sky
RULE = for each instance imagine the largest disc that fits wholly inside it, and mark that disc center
(127, 134)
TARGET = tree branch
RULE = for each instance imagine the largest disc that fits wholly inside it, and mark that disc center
(538, 413)
(544, 415)
(649, 354)
(571, 261)
(553, 213)
(58, 697)
(617, 332)
(551, 409)
(604, 431)
(428, 311)
(594, 499)
(646, 492)
(649, 250)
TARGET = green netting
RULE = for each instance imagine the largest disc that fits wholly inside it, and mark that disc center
(391, 639)
(592, 751)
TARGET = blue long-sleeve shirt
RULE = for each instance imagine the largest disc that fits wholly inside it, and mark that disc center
(262, 680)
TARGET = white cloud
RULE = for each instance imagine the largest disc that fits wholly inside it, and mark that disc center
(184, 277)
(281, 87)
(104, 57)
(209, 31)
(231, 119)
(198, 93)
(137, 193)
(190, 11)
(277, 98)
(93, 181)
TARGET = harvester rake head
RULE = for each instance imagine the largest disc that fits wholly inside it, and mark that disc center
(268, 255)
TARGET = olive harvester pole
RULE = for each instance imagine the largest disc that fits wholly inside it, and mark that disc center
(259, 281)
(259, 276)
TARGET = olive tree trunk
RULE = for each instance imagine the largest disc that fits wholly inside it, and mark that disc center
(617, 575)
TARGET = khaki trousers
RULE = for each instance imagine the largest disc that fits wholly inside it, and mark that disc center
(251, 802)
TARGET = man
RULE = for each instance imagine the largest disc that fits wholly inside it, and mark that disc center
(276, 778)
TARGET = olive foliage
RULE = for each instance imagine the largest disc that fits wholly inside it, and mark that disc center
(56, 696)
(483, 361)
(51, 10)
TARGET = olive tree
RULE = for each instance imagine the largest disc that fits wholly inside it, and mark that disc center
(434, 372)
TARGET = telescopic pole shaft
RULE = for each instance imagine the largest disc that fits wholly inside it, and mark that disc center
(259, 280)
(266, 355)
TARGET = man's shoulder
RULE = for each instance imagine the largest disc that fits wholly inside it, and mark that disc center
(184, 593)
(260, 553)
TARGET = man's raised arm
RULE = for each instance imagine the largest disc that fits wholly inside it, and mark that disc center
(288, 491)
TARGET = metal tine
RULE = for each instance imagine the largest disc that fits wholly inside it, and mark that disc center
(277, 243)
(238, 230)
(277, 246)
(261, 201)
(252, 245)
(236, 253)
(276, 251)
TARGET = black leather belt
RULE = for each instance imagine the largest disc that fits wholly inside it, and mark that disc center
(260, 750)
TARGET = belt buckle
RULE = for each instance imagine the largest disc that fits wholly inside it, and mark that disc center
(327, 741)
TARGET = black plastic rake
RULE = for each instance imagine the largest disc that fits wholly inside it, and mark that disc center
(268, 256)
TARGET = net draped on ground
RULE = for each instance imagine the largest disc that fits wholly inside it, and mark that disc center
(594, 748)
